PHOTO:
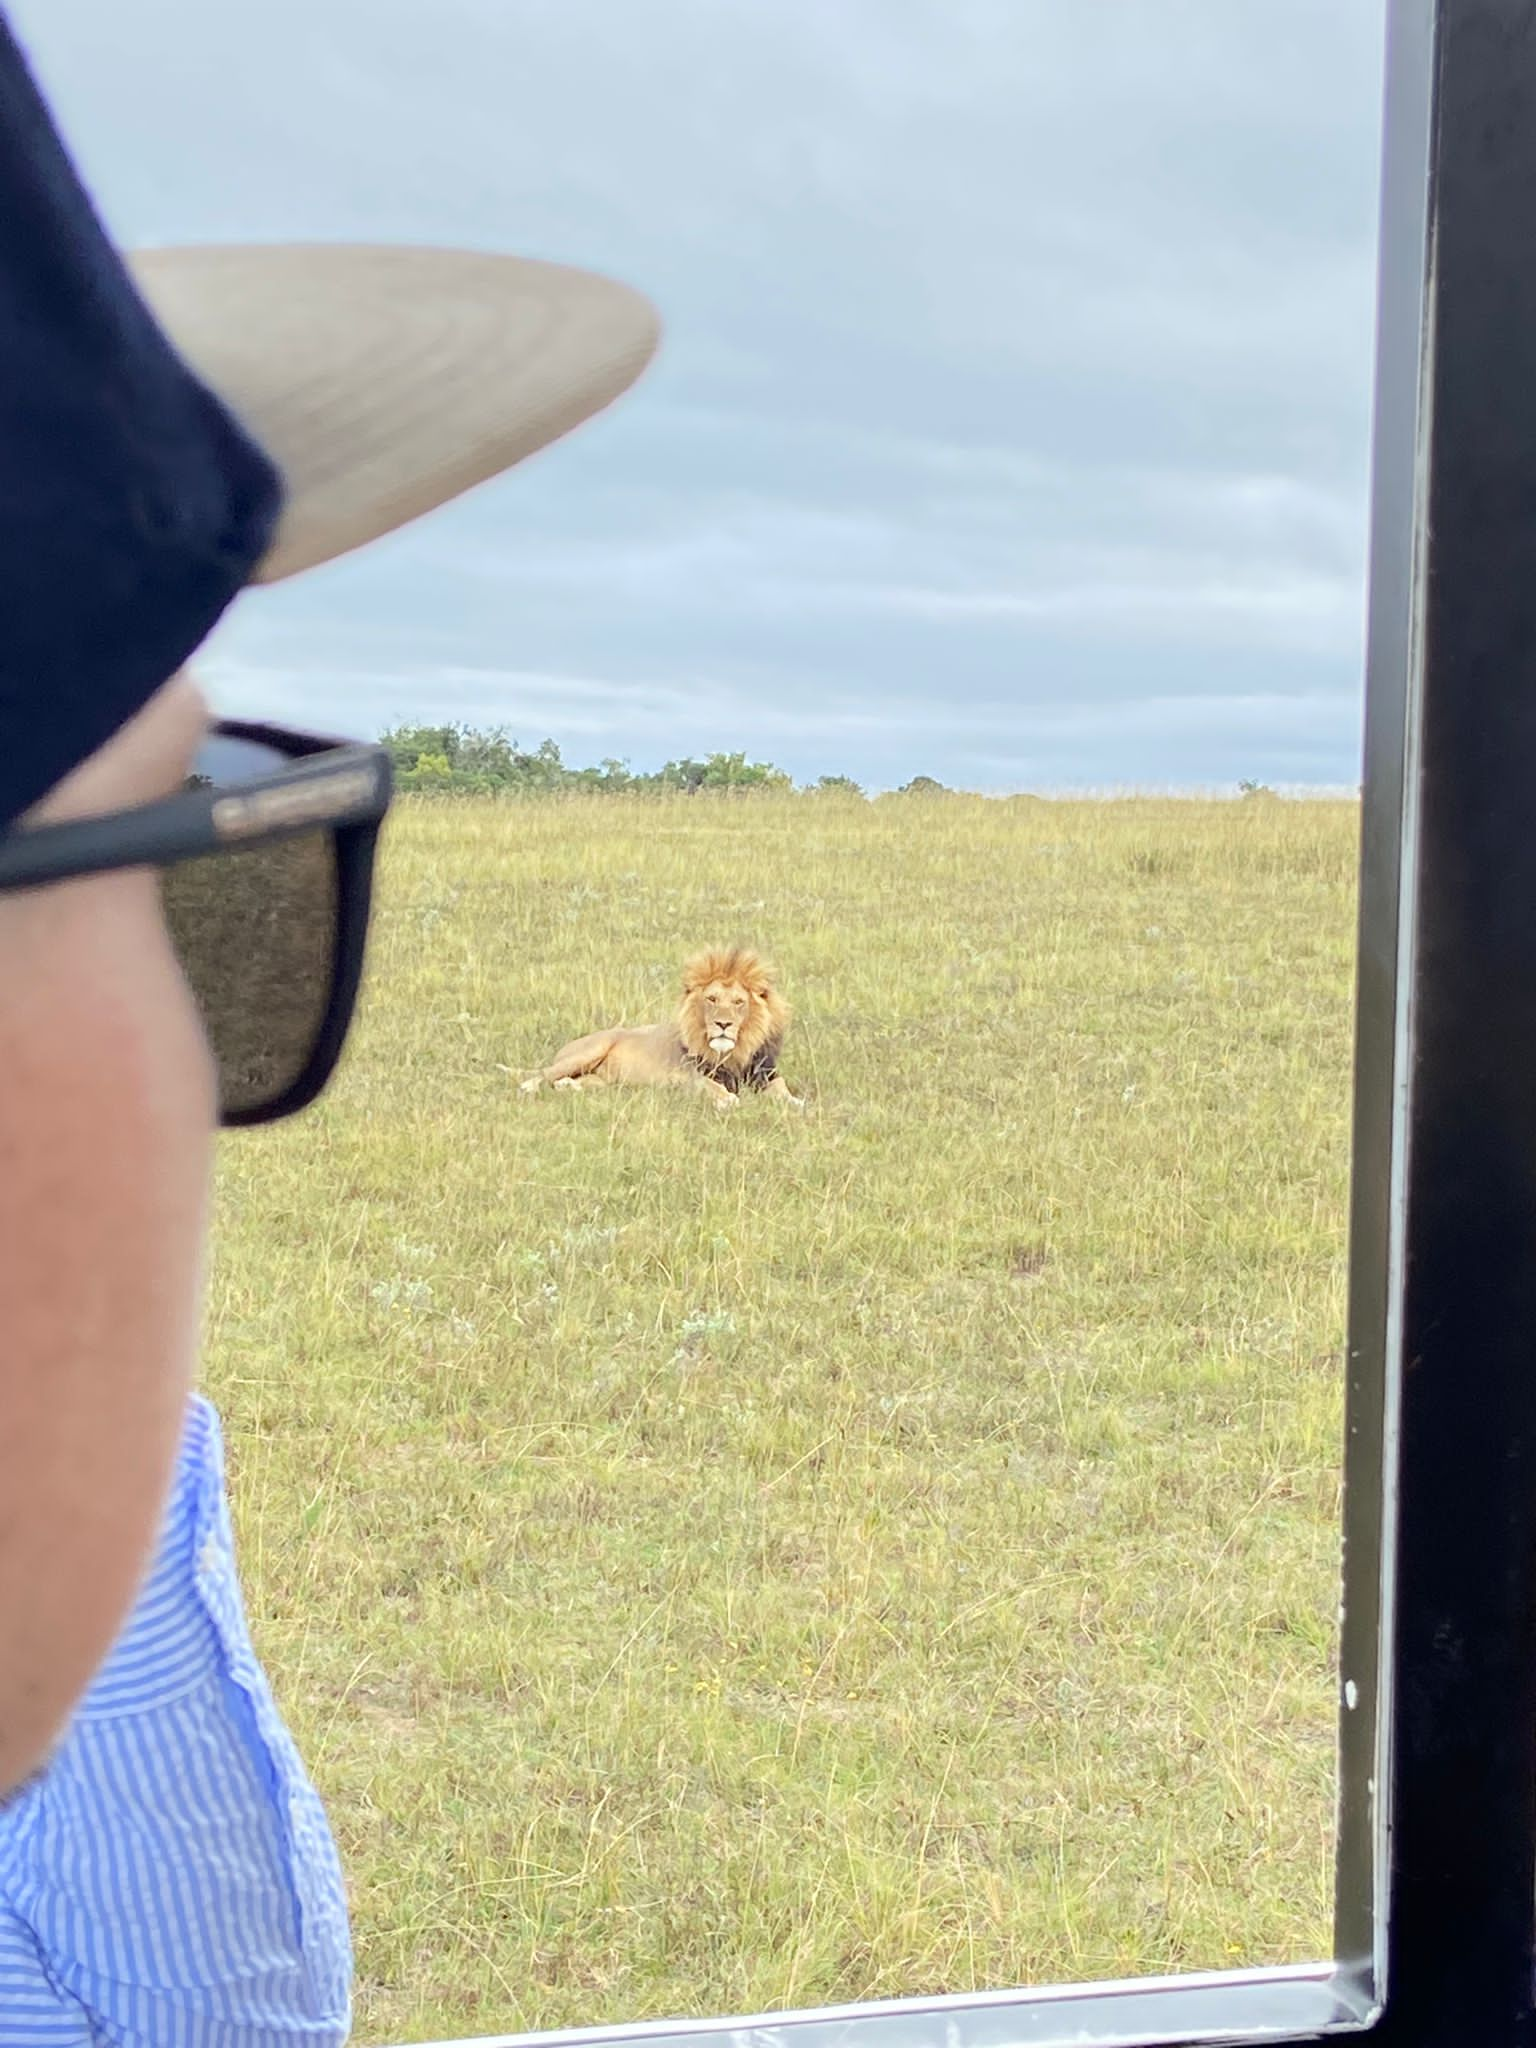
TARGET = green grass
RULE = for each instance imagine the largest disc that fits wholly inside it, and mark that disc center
(724, 1563)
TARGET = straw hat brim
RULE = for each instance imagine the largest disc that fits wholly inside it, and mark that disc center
(384, 381)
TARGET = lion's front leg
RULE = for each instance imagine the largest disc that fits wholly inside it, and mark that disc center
(777, 1086)
(697, 1083)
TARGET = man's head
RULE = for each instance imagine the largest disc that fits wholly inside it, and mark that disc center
(382, 383)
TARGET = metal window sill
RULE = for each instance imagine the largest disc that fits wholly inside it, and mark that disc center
(1301, 2003)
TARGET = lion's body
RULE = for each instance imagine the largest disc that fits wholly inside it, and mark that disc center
(725, 1038)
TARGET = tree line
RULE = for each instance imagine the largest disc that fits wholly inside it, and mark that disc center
(458, 760)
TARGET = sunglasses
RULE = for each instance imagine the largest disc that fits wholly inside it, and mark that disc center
(266, 868)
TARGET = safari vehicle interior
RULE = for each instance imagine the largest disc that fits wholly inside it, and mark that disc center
(1435, 1919)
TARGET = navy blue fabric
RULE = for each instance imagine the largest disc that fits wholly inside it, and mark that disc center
(132, 506)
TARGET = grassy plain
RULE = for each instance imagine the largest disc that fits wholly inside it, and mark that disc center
(727, 1563)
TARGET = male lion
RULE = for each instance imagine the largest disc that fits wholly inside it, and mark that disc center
(726, 1036)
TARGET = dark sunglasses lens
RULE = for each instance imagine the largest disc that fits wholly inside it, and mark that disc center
(257, 936)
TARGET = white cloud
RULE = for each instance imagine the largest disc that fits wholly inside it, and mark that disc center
(1012, 348)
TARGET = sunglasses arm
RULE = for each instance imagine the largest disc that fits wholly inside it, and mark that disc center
(174, 829)
(323, 792)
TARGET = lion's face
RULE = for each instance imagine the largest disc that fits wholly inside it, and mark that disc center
(722, 1010)
(730, 1009)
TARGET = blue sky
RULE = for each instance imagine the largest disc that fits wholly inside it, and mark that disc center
(1011, 424)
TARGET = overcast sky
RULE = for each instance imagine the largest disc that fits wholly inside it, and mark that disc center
(1012, 419)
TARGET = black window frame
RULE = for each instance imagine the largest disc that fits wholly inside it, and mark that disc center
(1435, 1933)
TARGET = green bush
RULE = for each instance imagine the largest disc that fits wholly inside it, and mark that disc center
(458, 760)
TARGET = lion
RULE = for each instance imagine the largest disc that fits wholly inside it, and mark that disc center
(726, 1038)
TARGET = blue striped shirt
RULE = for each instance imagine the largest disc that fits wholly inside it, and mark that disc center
(170, 1881)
